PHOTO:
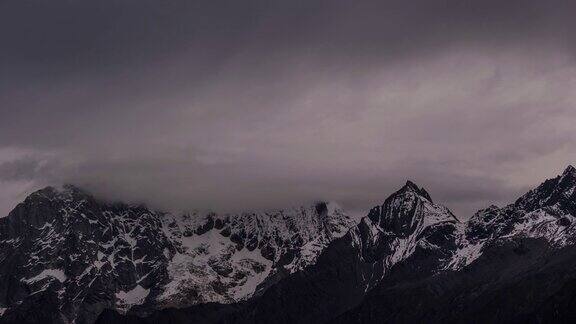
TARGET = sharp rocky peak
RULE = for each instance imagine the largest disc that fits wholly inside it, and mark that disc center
(412, 187)
(408, 209)
(559, 191)
(570, 171)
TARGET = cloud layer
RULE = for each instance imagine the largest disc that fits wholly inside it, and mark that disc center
(260, 104)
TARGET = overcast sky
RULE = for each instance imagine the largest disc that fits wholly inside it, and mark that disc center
(231, 105)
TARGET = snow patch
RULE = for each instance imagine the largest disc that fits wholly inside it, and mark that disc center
(52, 273)
(126, 299)
(465, 255)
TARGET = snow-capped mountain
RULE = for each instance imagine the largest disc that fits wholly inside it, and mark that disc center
(77, 255)
(407, 221)
(407, 225)
(408, 260)
(515, 264)
(548, 211)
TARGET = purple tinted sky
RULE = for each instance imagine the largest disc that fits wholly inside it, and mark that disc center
(232, 105)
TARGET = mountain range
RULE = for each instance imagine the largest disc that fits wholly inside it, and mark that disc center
(68, 257)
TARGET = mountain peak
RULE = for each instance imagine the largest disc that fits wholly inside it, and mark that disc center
(411, 186)
(560, 191)
(570, 170)
(400, 209)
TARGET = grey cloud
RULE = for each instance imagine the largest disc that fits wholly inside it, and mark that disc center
(257, 104)
(25, 168)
